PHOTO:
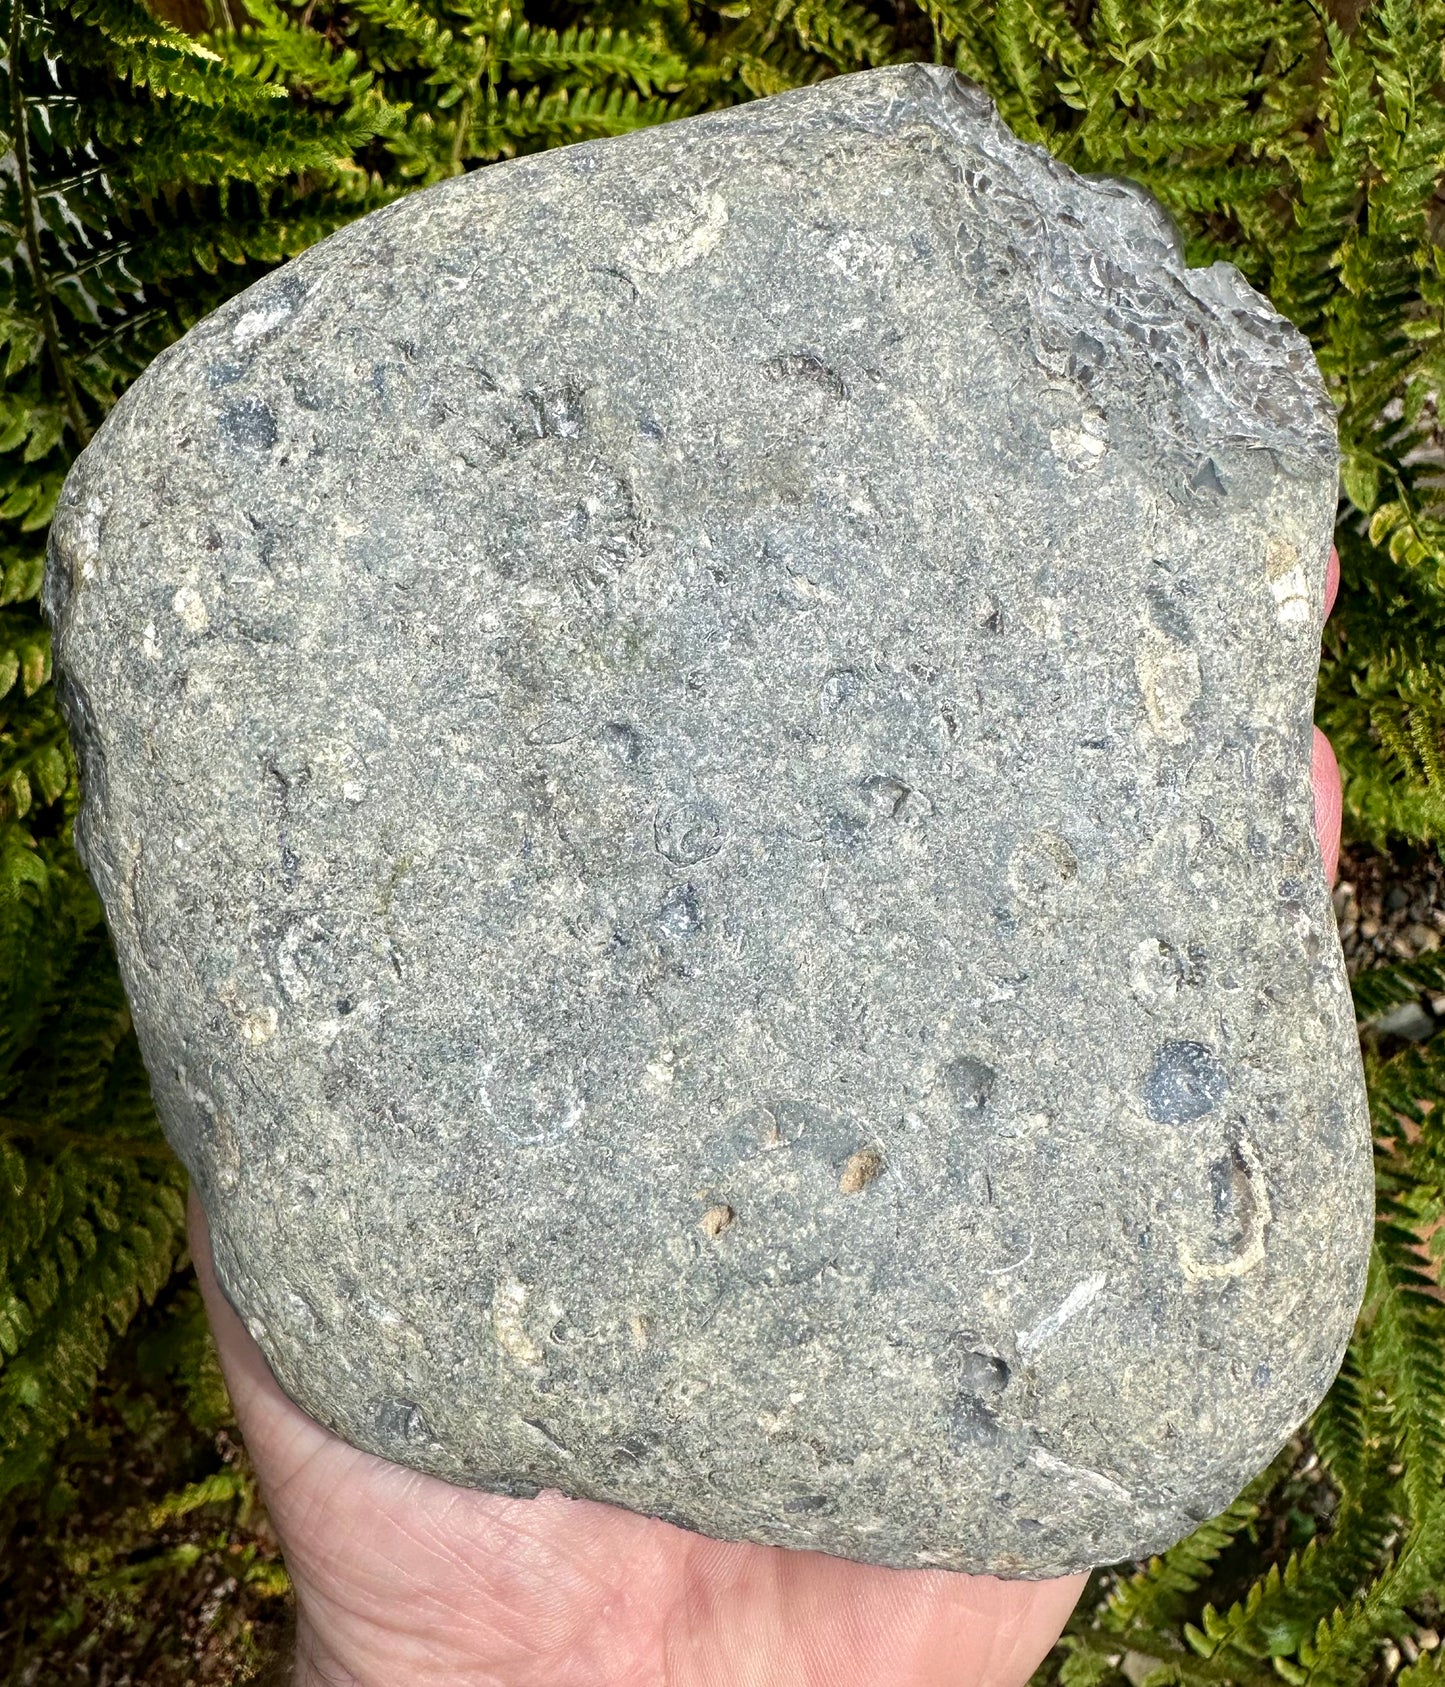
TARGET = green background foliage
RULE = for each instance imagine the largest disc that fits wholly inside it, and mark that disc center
(156, 167)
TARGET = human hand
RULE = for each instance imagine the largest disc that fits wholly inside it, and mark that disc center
(403, 1580)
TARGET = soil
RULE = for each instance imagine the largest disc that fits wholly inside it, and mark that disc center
(99, 1587)
(1389, 907)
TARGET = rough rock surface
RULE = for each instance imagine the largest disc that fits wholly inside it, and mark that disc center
(697, 752)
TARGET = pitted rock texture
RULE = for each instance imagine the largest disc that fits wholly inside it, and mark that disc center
(697, 751)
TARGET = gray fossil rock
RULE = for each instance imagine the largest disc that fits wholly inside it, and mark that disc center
(697, 752)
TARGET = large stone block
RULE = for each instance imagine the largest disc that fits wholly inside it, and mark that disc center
(697, 750)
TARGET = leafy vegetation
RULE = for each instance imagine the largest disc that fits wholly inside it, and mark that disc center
(156, 167)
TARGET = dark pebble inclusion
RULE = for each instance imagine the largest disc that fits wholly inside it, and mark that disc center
(697, 753)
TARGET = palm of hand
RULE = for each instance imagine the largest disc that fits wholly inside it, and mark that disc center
(406, 1581)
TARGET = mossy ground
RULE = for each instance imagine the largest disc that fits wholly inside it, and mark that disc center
(146, 1559)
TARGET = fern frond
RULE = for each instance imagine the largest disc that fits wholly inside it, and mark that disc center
(1409, 1330)
(81, 1303)
(531, 54)
(1341, 1428)
(124, 39)
(1157, 1596)
(844, 32)
(964, 39)
(276, 52)
(517, 122)
(1379, 989)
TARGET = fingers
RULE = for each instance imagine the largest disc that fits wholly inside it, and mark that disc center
(1329, 802)
(1332, 580)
